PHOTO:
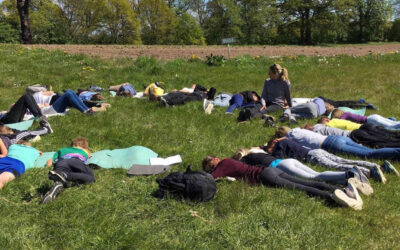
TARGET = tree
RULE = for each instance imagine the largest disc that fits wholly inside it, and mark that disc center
(223, 21)
(8, 34)
(306, 13)
(199, 9)
(119, 24)
(394, 33)
(158, 22)
(23, 10)
(188, 31)
(259, 21)
(47, 22)
(370, 17)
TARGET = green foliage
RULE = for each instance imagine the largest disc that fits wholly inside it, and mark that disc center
(120, 24)
(260, 21)
(118, 212)
(8, 34)
(213, 60)
(224, 21)
(158, 22)
(394, 33)
(188, 32)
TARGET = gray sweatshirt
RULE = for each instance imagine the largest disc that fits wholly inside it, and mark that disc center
(325, 130)
(276, 92)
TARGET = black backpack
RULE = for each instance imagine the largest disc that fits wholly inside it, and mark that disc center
(192, 185)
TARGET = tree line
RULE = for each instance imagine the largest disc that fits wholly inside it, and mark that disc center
(198, 22)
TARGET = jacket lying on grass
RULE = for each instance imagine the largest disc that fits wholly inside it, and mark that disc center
(117, 158)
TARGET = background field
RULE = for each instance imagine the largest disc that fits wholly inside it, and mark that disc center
(187, 52)
(119, 212)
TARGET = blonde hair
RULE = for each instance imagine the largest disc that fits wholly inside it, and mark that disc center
(336, 113)
(282, 131)
(80, 142)
(282, 72)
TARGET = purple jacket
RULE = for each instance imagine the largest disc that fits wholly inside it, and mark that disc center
(354, 118)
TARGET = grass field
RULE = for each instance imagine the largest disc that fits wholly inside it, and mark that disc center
(119, 212)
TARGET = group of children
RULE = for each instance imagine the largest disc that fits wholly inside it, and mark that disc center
(278, 163)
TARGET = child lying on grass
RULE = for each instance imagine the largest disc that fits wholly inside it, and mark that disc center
(69, 165)
(271, 176)
(20, 157)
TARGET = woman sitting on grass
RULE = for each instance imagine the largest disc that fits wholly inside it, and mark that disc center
(271, 176)
(275, 95)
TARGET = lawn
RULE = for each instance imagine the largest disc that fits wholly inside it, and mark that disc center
(119, 211)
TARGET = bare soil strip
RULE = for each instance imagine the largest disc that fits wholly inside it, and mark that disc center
(173, 52)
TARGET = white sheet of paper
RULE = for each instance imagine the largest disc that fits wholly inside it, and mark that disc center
(166, 161)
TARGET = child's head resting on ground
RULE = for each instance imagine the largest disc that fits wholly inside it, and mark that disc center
(80, 142)
(329, 107)
(255, 96)
(271, 144)
(282, 131)
(5, 130)
(337, 113)
(277, 72)
(209, 163)
(307, 126)
(323, 120)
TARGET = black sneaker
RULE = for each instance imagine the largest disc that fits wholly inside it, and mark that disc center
(59, 177)
(293, 122)
(284, 118)
(45, 124)
(164, 102)
(244, 115)
(53, 192)
(389, 168)
(211, 93)
(269, 121)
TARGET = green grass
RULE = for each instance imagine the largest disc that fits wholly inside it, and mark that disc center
(119, 212)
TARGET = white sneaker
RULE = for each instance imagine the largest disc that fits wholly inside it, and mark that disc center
(209, 108)
(364, 188)
(345, 200)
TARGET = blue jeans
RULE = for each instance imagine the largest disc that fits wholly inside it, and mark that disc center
(384, 122)
(69, 99)
(235, 102)
(345, 145)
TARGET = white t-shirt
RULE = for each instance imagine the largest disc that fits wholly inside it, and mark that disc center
(306, 138)
(41, 99)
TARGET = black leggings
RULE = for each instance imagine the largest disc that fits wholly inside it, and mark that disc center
(255, 110)
(277, 178)
(75, 169)
(179, 98)
(345, 103)
(18, 110)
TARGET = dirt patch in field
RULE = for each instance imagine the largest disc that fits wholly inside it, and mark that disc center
(172, 52)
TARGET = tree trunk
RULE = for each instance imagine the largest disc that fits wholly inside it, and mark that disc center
(23, 11)
(308, 38)
(302, 24)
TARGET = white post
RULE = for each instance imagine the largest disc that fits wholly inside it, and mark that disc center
(229, 52)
